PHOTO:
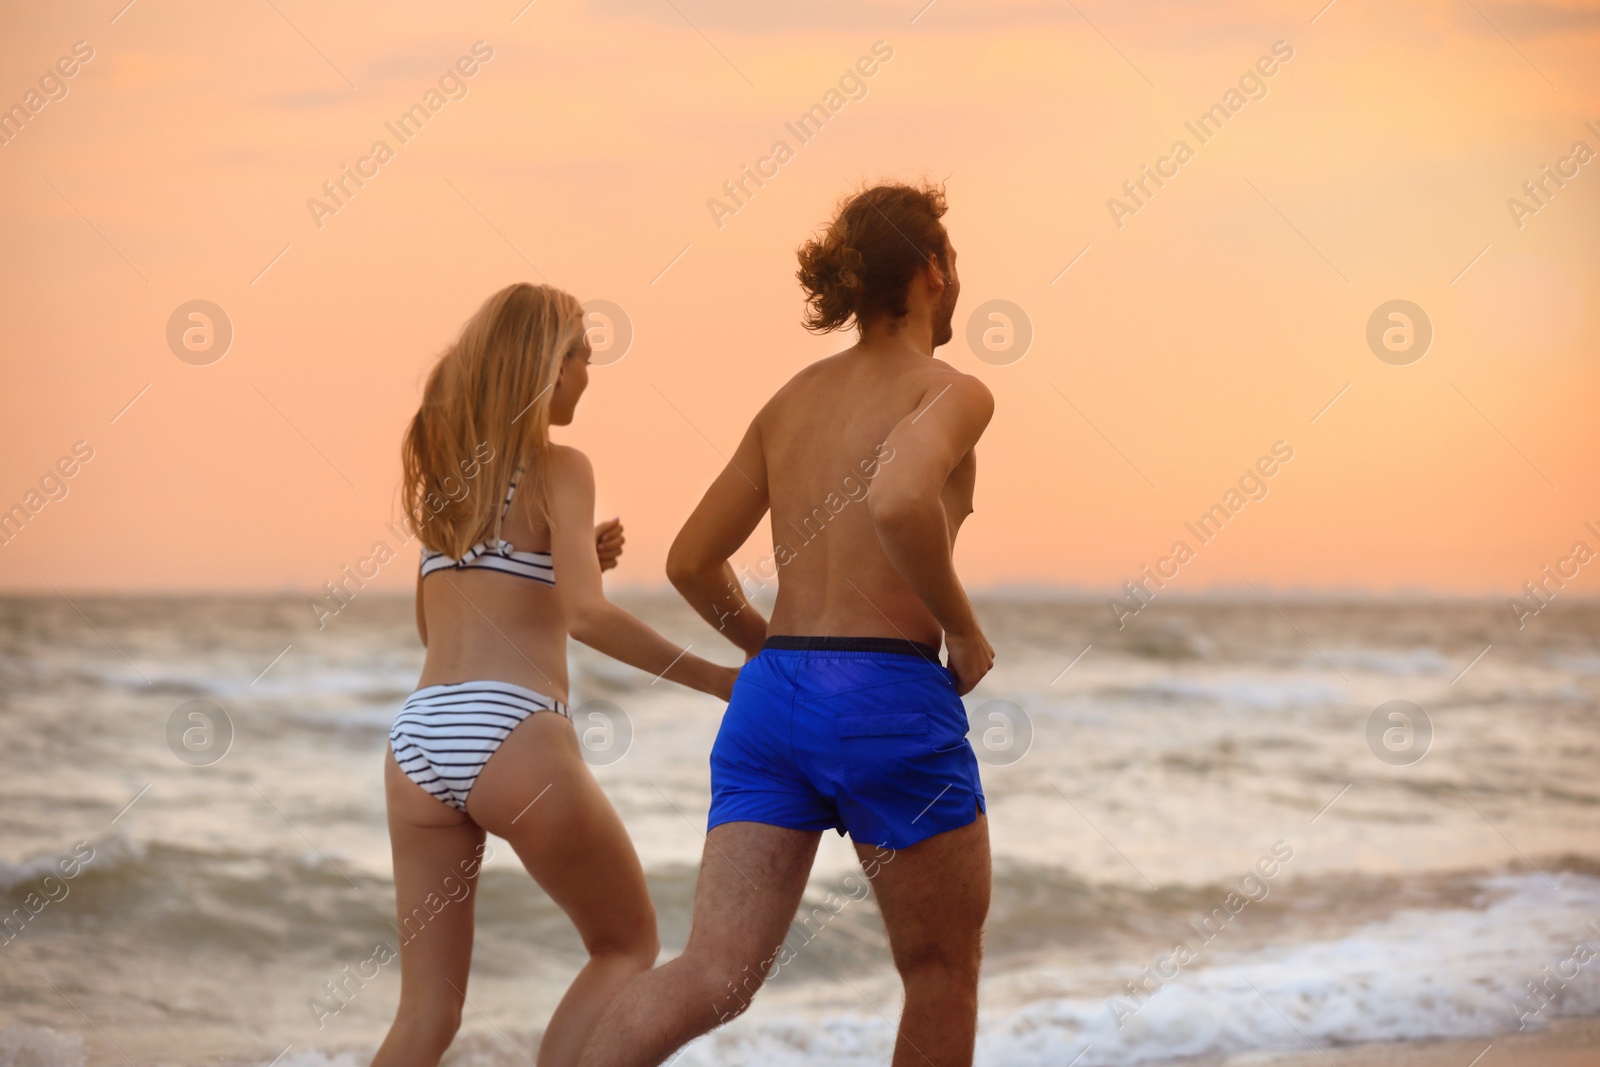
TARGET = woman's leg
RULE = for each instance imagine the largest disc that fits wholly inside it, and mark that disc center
(436, 854)
(538, 794)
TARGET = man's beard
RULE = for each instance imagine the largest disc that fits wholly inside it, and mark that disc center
(943, 330)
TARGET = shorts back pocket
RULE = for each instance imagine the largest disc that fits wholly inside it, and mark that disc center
(913, 724)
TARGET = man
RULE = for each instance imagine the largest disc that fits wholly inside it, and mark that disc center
(843, 719)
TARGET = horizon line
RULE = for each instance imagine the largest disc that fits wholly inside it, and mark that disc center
(1014, 591)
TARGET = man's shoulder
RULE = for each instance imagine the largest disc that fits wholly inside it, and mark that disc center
(967, 390)
(926, 378)
(801, 385)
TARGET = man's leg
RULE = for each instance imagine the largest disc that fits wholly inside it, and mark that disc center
(934, 897)
(751, 878)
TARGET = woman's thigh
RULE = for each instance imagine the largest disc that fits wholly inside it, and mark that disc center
(437, 851)
(538, 794)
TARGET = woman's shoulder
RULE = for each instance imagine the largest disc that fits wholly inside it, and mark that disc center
(568, 463)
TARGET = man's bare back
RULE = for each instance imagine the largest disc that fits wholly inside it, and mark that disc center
(825, 439)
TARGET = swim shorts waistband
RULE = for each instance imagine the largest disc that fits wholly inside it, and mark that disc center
(895, 645)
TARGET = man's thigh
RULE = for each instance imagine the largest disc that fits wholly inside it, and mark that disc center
(752, 876)
(934, 895)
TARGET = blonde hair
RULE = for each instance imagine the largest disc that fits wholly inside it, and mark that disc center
(485, 415)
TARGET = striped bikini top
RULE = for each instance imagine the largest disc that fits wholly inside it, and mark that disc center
(496, 554)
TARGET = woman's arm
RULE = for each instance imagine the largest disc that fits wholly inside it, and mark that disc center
(422, 616)
(590, 617)
(697, 564)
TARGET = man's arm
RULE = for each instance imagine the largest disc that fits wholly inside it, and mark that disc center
(908, 511)
(697, 564)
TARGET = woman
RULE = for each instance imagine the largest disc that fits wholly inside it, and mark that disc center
(510, 568)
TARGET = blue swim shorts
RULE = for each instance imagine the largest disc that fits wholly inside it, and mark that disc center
(863, 735)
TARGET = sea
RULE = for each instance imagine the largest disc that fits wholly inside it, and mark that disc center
(1233, 825)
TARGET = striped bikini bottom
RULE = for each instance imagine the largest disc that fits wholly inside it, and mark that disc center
(444, 734)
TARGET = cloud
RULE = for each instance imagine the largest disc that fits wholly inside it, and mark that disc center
(310, 99)
(1538, 18)
(881, 16)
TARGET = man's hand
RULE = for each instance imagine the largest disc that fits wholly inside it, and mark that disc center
(608, 541)
(971, 656)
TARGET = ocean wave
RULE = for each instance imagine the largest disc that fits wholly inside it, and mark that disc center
(240, 900)
(1407, 662)
(40, 1046)
(1586, 664)
(1418, 974)
(1257, 691)
(322, 685)
(1171, 641)
(110, 851)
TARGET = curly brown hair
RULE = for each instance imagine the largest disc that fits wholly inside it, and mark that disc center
(860, 267)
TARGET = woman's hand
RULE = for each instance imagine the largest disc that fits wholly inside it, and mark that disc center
(726, 677)
(577, 545)
(608, 542)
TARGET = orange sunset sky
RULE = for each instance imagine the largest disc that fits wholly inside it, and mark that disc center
(1172, 346)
